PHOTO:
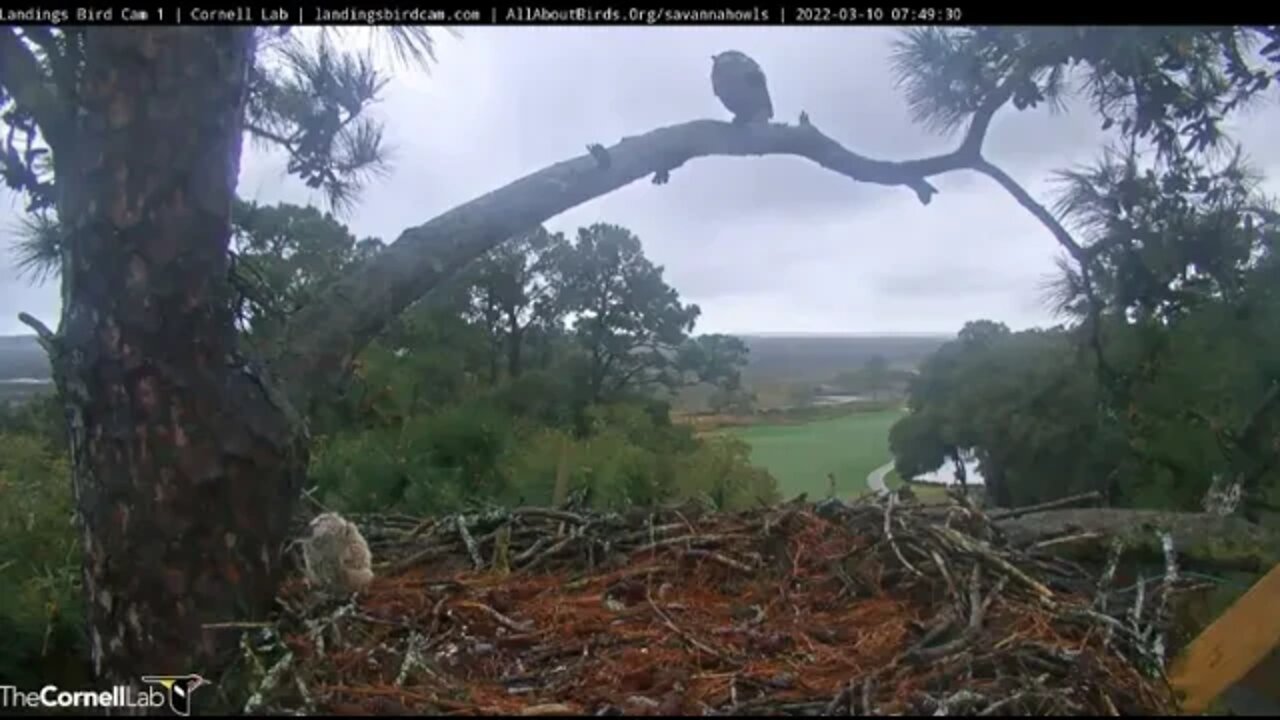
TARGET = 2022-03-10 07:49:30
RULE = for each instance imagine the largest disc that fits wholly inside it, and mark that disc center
(873, 14)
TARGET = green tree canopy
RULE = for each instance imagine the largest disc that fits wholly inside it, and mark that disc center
(627, 319)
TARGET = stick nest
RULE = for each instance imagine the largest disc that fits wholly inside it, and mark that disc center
(800, 609)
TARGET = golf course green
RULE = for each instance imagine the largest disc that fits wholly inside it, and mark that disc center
(801, 455)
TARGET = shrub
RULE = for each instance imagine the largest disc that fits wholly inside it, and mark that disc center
(721, 471)
(41, 615)
(620, 472)
(540, 396)
(428, 464)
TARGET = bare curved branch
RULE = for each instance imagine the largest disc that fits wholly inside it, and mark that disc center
(1038, 211)
(327, 334)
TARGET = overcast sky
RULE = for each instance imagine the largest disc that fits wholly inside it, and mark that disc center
(762, 245)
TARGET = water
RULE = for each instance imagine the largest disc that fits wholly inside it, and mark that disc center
(823, 400)
(946, 475)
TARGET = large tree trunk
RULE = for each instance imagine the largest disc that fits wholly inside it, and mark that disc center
(186, 466)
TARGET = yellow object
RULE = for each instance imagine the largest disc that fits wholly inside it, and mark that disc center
(1231, 647)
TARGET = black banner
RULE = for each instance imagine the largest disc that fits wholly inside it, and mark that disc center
(342, 12)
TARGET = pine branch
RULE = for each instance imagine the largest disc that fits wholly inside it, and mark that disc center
(62, 67)
(24, 80)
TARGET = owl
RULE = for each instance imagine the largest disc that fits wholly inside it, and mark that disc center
(740, 84)
(336, 557)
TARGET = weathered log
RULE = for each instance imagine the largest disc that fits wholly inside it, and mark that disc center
(1201, 539)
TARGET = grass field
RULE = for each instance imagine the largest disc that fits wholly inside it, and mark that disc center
(800, 456)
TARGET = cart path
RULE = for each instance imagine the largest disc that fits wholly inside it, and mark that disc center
(875, 481)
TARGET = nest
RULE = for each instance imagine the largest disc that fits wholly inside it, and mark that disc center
(868, 608)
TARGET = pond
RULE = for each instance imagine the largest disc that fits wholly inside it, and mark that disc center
(946, 475)
(825, 400)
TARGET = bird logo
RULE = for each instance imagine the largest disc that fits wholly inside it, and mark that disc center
(740, 84)
(179, 689)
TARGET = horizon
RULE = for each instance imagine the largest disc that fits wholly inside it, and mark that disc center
(753, 333)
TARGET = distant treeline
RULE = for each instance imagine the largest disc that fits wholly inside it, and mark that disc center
(813, 357)
(22, 357)
(819, 358)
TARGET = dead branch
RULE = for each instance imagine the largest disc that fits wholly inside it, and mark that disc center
(325, 335)
(1202, 539)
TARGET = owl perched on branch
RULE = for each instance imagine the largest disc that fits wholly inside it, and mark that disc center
(740, 84)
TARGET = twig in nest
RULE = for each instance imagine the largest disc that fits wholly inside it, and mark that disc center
(268, 683)
(420, 528)
(1166, 590)
(1051, 505)
(718, 557)
(550, 513)
(1135, 613)
(308, 702)
(986, 554)
(412, 560)
(1108, 574)
(938, 630)
(995, 593)
(549, 552)
(687, 539)
(1111, 707)
(998, 705)
(888, 533)
(472, 549)
(842, 701)
(959, 696)
(946, 575)
(1078, 537)
(309, 494)
(412, 658)
(524, 555)
(501, 619)
(675, 629)
(975, 598)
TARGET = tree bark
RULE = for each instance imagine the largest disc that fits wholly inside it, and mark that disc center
(186, 463)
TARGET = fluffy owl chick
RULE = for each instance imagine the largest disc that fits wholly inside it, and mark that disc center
(740, 84)
(336, 556)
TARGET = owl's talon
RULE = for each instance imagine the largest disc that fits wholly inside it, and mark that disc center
(602, 158)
